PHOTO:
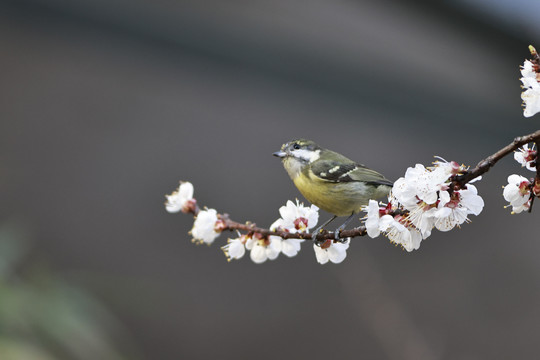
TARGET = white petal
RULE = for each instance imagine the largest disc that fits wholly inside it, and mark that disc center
(312, 215)
(443, 212)
(203, 228)
(173, 205)
(474, 203)
(288, 212)
(258, 254)
(516, 179)
(372, 221)
(416, 239)
(179, 197)
(531, 98)
(444, 198)
(250, 243)
(276, 224)
(272, 253)
(520, 158)
(236, 249)
(275, 246)
(291, 247)
(186, 190)
(337, 252)
(527, 69)
(320, 254)
(523, 207)
(511, 193)
(456, 217)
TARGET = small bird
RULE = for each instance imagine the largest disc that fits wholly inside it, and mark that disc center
(331, 181)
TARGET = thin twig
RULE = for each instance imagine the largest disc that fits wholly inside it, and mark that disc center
(486, 164)
(252, 228)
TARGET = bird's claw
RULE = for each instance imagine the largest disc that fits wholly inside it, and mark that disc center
(342, 240)
(337, 234)
(318, 241)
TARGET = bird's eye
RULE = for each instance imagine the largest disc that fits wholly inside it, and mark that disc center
(296, 146)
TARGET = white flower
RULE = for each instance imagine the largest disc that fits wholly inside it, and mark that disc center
(372, 219)
(179, 198)
(419, 191)
(526, 156)
(262, 249)
(471, 200)
(531, 86)
(517, 193)
(425, 193)
(235, 248)
(405, 190)
(295, 218)
(204, 227)
(331, 251)
(408, 237)
(456, 207)
(424, 184)
(422, 217)
(289, 247)
(393, 227)
(298, 218)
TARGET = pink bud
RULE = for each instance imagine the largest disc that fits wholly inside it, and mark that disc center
(190, 206)
(220, 225)
(536, 188)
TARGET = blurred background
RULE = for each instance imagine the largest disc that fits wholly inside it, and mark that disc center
(106, 105)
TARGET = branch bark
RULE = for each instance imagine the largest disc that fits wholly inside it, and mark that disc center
(486, 164)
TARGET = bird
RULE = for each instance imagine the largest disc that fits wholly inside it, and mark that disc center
(331, 181)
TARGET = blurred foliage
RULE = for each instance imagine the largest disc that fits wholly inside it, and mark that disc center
(44, 317)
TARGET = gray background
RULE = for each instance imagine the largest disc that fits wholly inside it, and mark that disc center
(105, 105)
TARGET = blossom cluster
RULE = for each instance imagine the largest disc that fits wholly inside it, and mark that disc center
(295, 218)
(520, 191)
(530, 71)
(425, 198)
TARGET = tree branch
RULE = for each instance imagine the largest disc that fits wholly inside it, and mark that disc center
(252, 228)
(486, 164)
(459, 182)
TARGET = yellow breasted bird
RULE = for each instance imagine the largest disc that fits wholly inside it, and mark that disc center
(330, 180)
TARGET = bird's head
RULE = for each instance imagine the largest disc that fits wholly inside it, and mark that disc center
(297, 154)
(301, 149)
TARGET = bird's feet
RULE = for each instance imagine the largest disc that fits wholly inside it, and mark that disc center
(318, 235)
(317, 238)
(342, 227)
(337, 233)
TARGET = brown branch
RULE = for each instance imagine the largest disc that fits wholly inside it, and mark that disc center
(252, 228)
(486, 164)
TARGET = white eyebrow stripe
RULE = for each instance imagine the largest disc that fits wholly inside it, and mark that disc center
(307, 155)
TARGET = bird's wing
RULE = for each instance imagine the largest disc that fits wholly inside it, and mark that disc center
(343, 171)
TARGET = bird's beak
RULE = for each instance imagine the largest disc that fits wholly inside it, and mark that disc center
(280, 154)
